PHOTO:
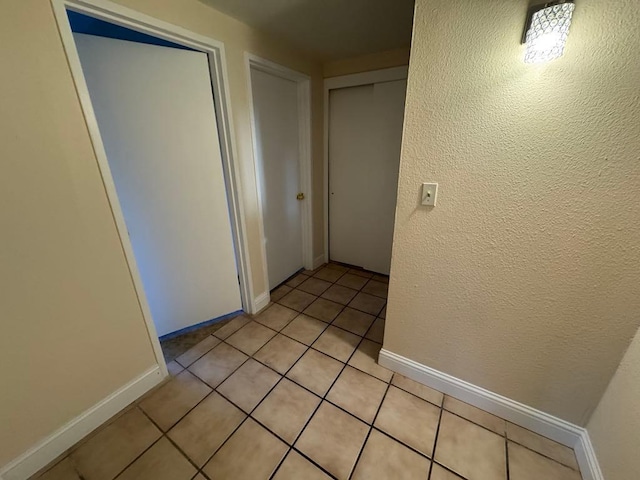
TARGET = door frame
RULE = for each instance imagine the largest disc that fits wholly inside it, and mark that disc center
(344, 81)
(304, 145)
(125, 17)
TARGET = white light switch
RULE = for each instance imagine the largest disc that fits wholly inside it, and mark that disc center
(429, 192)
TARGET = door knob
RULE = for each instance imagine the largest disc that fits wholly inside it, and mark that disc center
(300, 196)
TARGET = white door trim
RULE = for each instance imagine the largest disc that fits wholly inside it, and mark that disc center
(114, 13)
(304, 133)
(356, 79)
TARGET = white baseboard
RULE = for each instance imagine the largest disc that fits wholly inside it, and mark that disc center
(319, 260)
(261, 302)
(535, 420)
(68, 435)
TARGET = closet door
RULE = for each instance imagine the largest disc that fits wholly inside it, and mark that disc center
(365, 136)
(156, 116)
(276, 123)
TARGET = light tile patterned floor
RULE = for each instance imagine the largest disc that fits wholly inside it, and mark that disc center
(296, 393)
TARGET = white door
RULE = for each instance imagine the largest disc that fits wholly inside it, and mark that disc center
(155, 111)
(275, 107)
(365, 136)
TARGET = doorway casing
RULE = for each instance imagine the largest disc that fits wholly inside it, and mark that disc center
(304, 141)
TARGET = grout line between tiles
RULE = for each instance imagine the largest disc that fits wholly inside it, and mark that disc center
(435, 442)
(506, 453)
(373, 421)
(249, 415)
(141, 454)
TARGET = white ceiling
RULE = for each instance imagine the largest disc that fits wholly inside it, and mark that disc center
(330, 29)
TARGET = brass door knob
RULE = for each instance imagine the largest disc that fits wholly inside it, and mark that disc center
(300, 196)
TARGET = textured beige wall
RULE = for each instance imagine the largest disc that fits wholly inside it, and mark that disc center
(367, 63)
(525, 278)
(614, 427)
(72, 330)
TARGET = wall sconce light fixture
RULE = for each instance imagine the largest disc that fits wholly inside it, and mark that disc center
(546, 31)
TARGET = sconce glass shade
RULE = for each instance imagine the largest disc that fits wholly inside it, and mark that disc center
(548, 33)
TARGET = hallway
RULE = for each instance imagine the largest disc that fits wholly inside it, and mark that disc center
(291, 395)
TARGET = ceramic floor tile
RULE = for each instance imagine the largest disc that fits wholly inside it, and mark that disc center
(280, 292)
(163, 461)
(337, 343)
(194, 353)
(333, 439)
(250, 338)
(409, 419)
(315, 270)
(358, 393)
(174, 368)
(365, 358)
(378, 289)
(314, 286)
(171, 401)
(315, 371)
(380, 278)
(441, 473)
(354, 321)
(280, 353)
(297, 280)
(231, 327)
(384, 458)
(540, 444)
(252, 453)
(470, 450)
(328, 274)
(419, 390)
(376, 332)
(304, 329)
(367, 303)
(177, 345)
(63, 470)
(525, 464)
(340, 294)
(324, 310)
(276, 316)
(475, 415)
(249, 384)
(286, 410)
(206, 427)
(218, 364)
(337, 266)
(360, 272)
(115, 446)
(383, 313)
(296, 467)
(297, 300)
(352, 281)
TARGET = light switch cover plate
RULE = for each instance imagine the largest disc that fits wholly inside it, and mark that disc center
(429, 193)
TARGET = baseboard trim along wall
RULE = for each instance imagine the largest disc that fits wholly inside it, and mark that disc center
(261, 302)
(535, 420)
(319, 260)
(68, 435)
